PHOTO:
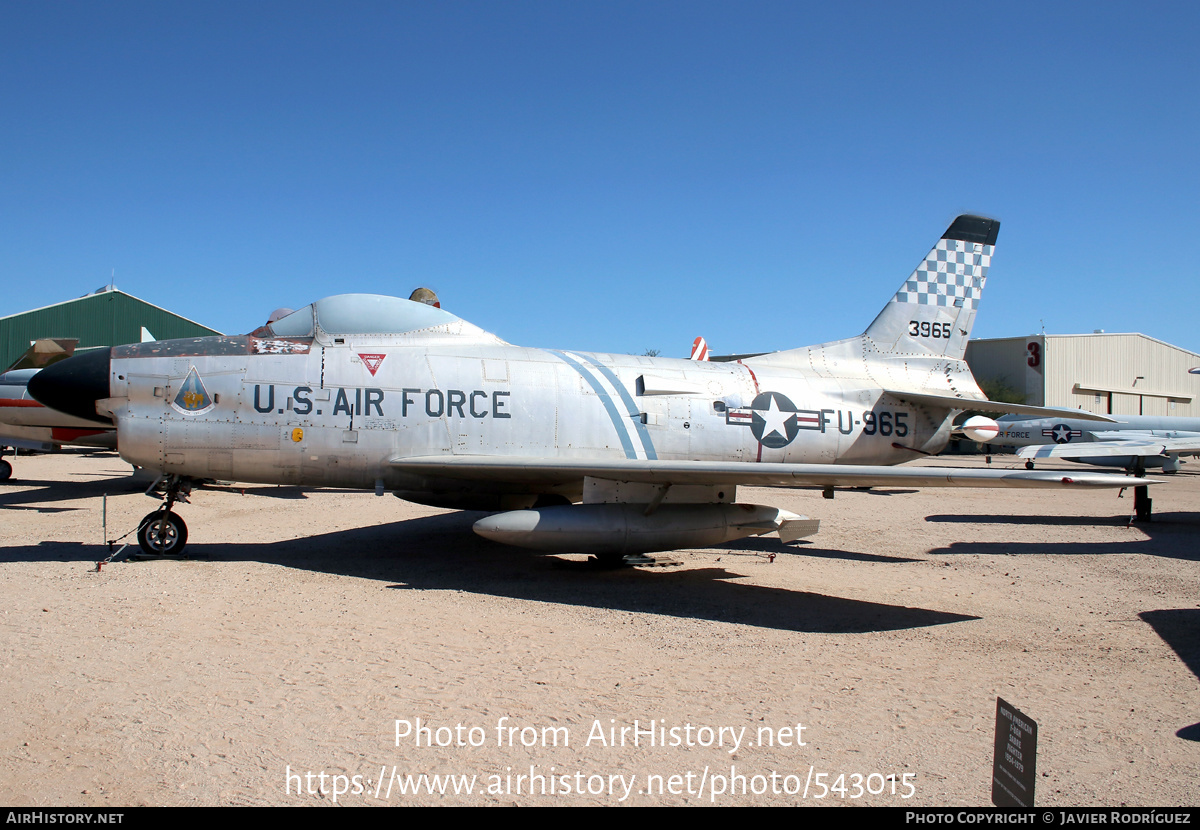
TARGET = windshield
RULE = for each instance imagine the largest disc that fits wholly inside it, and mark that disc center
(297, 324)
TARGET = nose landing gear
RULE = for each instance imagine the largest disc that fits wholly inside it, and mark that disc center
(162, 533)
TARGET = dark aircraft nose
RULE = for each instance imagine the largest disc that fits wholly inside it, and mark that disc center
(74, 385)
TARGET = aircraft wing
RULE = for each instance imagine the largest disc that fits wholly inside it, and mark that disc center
(1140, 446)
(532, 470)
(26, 443)
(1142, 435)
(973, 405)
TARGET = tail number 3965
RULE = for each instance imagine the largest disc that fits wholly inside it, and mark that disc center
(927, 329)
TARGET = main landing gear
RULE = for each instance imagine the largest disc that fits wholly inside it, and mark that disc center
(5, 470)
(612, 561)
(162, 533)
(1142, 502)
(1141, 495)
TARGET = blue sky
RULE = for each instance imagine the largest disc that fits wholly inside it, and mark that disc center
(604, 176)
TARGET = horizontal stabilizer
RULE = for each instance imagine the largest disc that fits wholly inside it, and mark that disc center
(974, 405)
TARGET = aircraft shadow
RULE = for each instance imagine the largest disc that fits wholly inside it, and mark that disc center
(1172, 536)
(441, 553)
(763, 545)
(1180, 629)
(28, 493)
(286, 492)
(1062, 521)
(55, 551)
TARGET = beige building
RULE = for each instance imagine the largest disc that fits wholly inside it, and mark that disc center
(1118, 374)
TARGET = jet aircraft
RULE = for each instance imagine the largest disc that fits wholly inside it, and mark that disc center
(593, 453)
(27, 424)
(1131, 442)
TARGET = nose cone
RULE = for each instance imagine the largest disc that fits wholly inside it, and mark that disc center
(74, 385)
(510, 528)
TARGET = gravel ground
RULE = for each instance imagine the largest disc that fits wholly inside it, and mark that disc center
(309, 628)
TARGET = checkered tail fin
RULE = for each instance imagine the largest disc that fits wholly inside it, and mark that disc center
(934, 309)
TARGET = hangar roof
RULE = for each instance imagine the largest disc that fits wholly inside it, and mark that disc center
(107, 317)
(982, 340)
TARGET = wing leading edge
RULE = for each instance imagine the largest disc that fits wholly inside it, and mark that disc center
(556, 471)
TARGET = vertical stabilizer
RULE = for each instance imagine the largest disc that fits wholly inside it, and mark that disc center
(44, 351)
(934, 309)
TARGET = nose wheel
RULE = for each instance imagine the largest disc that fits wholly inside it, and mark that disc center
(163, 533)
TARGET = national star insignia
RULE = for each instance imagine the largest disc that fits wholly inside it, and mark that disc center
(775, 419)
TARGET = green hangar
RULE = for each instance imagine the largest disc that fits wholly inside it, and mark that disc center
(106, 317)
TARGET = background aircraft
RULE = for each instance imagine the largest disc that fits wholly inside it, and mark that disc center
(378, 392)
(1131, 442)
(27, 424)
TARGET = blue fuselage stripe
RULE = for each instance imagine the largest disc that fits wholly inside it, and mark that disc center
(605, 398)
(634, 414)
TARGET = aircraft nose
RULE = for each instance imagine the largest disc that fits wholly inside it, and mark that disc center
(74, 385)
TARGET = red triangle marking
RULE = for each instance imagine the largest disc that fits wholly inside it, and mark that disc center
(372, 361)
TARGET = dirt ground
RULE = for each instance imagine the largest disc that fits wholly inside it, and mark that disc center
(321, 647)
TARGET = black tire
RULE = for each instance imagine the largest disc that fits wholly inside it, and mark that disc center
(609, 560)
(1028, 465)
(5, 470)
(157, 538)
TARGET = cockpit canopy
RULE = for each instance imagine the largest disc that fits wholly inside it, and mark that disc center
(370, 315)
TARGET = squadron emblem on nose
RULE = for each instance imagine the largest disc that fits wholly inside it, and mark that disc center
(192, 397)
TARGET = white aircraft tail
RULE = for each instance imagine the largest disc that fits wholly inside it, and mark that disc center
(934, 310)
(918, 341)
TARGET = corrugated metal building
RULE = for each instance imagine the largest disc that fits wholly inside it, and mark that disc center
(108, 317)
(1118, 374)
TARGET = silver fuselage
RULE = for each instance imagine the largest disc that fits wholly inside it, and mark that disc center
(294, 410)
